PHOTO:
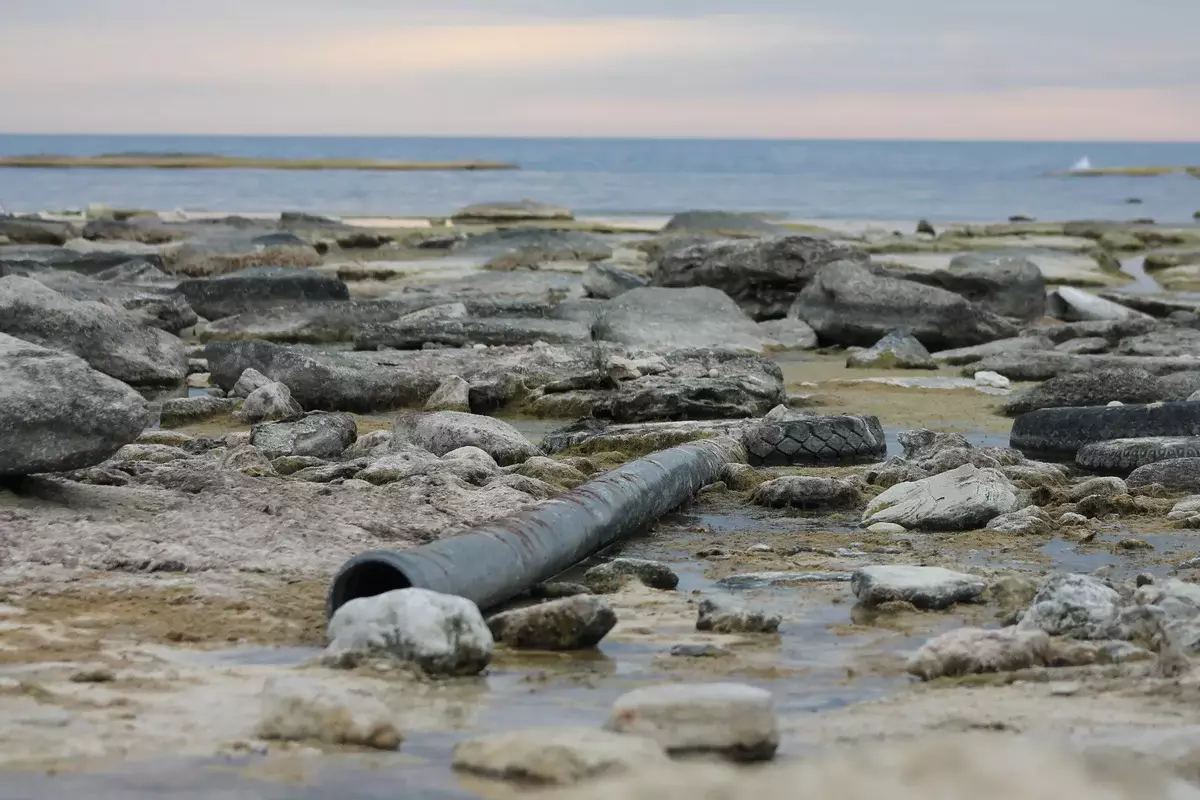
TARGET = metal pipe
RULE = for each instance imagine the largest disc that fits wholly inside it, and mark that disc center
(501, 559)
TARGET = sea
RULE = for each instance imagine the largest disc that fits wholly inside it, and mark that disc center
(628, 178)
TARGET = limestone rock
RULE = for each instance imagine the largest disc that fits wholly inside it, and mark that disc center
(930, 588)
(304, 710)
(962, 499)
(558, 756)
(453, 394)
(250, 380)
(606, 281)
(572, 623)
(1078, 606)
(972, 651)
(809, 492)
(609, 576)
(897, 350)
(444, 431)
(442, 634)
(726, 616)
(1029, 521)
(319, 434)
(270, 403)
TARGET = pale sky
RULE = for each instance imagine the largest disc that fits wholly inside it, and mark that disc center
(923, 69)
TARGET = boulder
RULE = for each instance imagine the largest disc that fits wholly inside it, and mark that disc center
(1078, 606)
(516, 211)
(667, 318)
(1000, 347)
(397, 465)
(258, 288)
(442, 634)
(845, 303)
(611, 575)
(250, 381)
(313, 322)
(927, 588)
(961, 499)
(270, 403)
(1007, 284)
(1068, 303)
(1029, 521)
(727, 616)
(605, 281)
(178, 411)
(110, 340)
(728, 719)
(897, 350)
(809, 492)
(296, 709)
(229, 252)
(453, 394)
(444, 431)
(532, 247)
(722, 223)
(153, 306)
(1176, 474)
(1092, 388)
(319, 434)
(57, 413)
(762, 276)
(1164, 343)
(572, 623)
(790, 334)
(974, 651)
(33, 231)
(557, 756)
(489, 331)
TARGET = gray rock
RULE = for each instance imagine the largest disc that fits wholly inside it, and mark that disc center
(727, 616)
(1007, 284)
(758, 580)
(288, 465)
(248, 460)
(189, 410)
(490, 331)
(152, 306)
(1087, 346)
(397, 465)
(808, 492)
(1078, 606)
(251, 380)
(930, 588)
(606, 281)
(1068, 303)
(148, 453)
(556, 756)
(1093, 388)
(897, 350)
(1176, 474)
(552, 472)
(962, 499)
(762, 276)
(30, 231)
(667, 318)
(444, 431)
(258, 288)
(369, 444)
(224, 252)
(442, 634)
(296, 709)
(729, 719)
(611, 575)
(454, 394)
(319, 434)
(847, 304)
(974, 651)
(316, 321)
(1106, 487)
(1042, 366)
(1029, 521)
(516, 211)
(270, 403)
(700, 651)
(1164, 343)
(572, 623)
(1000, 347)
(722, 223)
(530, 246)
(57, 413)
(791, 334)
(110, 340)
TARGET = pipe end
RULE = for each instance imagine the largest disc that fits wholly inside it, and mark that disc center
(366, 575)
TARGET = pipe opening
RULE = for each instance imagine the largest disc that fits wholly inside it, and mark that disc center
(365, 579)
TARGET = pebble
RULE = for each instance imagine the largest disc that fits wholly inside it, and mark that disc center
(730, 719)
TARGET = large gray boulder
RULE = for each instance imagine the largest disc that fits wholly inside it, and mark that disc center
(108, 339)
(319, 434)
(223, 252)
(722, 223)
(1070, 304)
(606, 281)
(961, 499)
(1007, 284)
(259, 288)
(670, 318)
(762, 276)
(150, 305)
(847, 304)
(1094, 388)
(443, 432)
(57, 413)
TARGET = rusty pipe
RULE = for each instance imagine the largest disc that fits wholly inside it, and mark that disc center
(501, 559)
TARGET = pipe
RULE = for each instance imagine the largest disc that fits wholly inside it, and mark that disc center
(501, 559)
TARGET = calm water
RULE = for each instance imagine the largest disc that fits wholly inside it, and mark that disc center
(802, 179)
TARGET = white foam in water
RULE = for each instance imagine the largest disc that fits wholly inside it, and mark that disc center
(1083, 163)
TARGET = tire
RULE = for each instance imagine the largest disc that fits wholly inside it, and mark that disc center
(1122, 456)
(838, 439)
(1061, 432)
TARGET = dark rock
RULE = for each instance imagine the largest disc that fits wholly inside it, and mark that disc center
(723, 223)
(1006, 284)
(846, 304)
(217, 254)
(762, 276)
(259, 288)
(1112, 330)
(925, 227)
(611, 575)
(897, 350)
(57, 413)
(490, 331)
(699, 317)
(143, 231)
(606, 281)
(320, 322)
(31, 231)
(572, 623)
(319, 435)
(108, 339)
(805, 440)
(1042, 366)
(1091, 388)
(188, 410)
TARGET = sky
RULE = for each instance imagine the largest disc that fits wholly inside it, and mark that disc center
(861, 69)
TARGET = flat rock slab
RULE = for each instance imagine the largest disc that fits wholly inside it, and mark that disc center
(661, 317)
(558, 756)
(729, 719)
(258, 288)
(960, 499)
(758, 580)
(572, 623)
(927, 588)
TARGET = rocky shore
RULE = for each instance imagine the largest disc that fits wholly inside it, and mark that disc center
(965, 501)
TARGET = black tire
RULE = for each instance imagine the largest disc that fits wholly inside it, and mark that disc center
(1061, 432)
(837, 439)
(1122, 456)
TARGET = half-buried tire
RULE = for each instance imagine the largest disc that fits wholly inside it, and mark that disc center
(1122, 456)
(1061, 432)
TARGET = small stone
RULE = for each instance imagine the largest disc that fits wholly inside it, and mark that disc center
(1133, 544)
(1105, 487)
(886, 528)
(1072, 519)
(1029, 521)
(992, 379)
(896, 350)
(270, 403)
(700, 651)
(729, 719)
(760, 548)
(973, 651)
(1065, 688)
(1144, 579)
(454, 394)
(808, 492)
(297, 709)
(727, 616)
(609, 577)
(927, 588)
(558, 756)
(250, 380)
(924, 227)
(443, 634)
(572, 623)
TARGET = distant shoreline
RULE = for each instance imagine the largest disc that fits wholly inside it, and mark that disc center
(207, 161)
(1129, 172)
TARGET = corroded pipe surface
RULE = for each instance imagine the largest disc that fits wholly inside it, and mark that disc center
(501, 559)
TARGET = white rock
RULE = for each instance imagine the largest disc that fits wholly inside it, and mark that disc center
(889, 528)
(1029, 521)
(728, 718)
(300, 709)
(270, 403)
(1179, 603)
(1071, 518)
(454, 394)
(250, 380)
(760, 548)
(558, 756)
(443, 634)
(1079, 606)
(961, 499)
(1106, 487)
(993, 379)
(1186, 508)
(724, 615)
(446, 431)
(1115, 404)
(971, 651)
(924, 587)
(1071, 304)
